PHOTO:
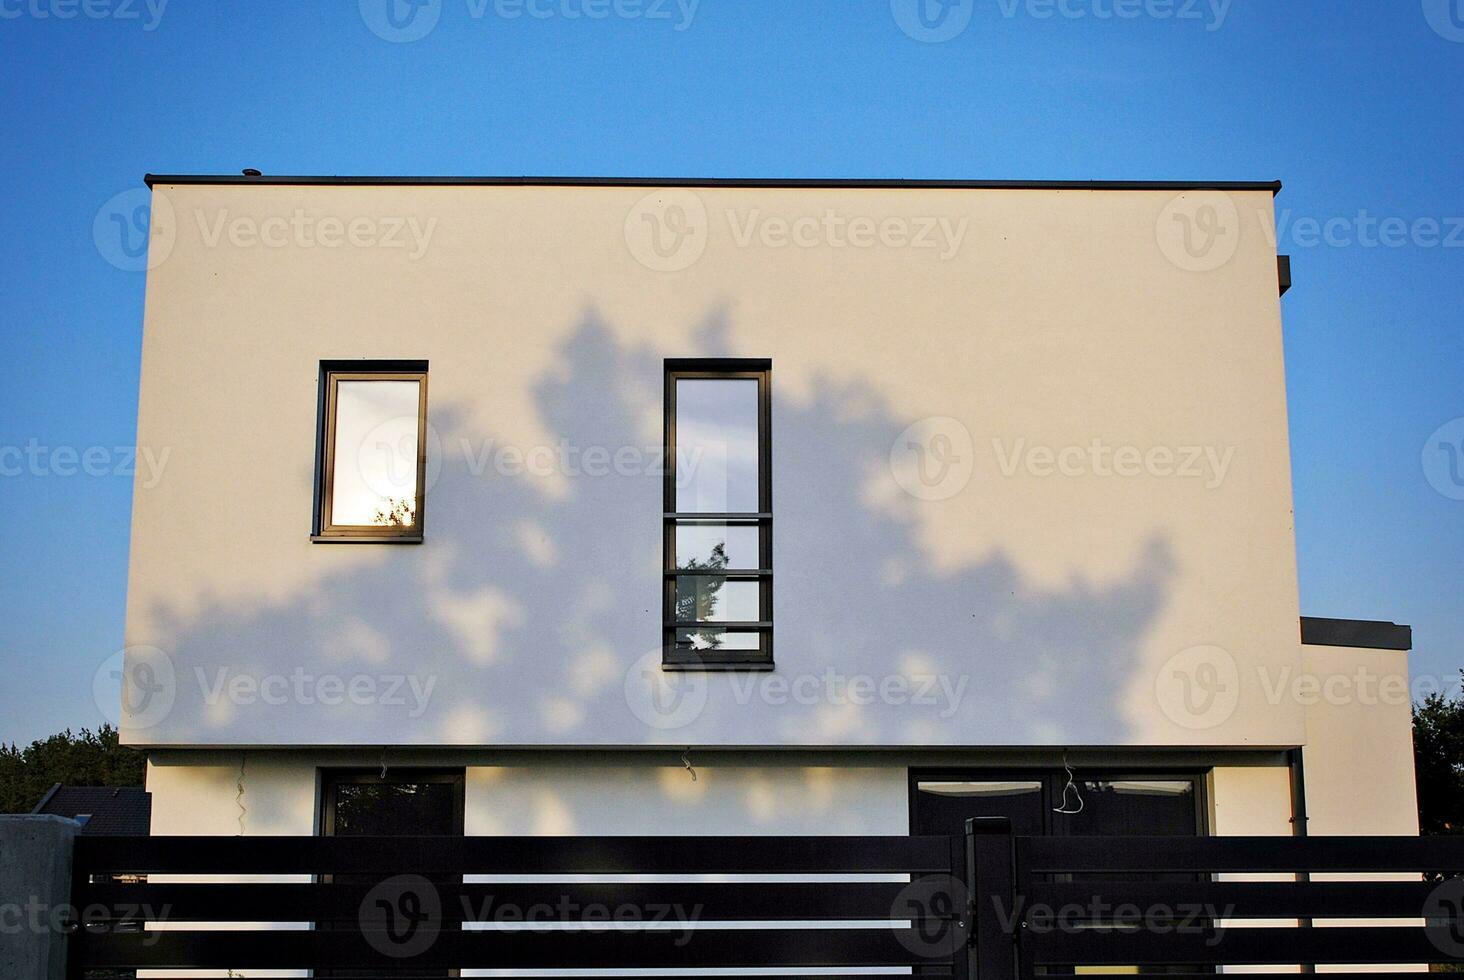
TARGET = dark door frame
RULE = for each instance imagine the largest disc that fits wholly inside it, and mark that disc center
(1053, 779)
(331, 779)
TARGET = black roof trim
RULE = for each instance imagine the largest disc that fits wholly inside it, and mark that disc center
(1273, 186)
(1364, 633)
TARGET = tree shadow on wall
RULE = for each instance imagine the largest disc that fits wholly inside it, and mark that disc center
(534, 606)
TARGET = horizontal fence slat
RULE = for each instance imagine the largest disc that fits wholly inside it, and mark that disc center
(518, 950)
(1052, 855)
(1344, 945)
(923, 973)
(1235, 899)
(511, 855)
(513, 902)
(1292, 975)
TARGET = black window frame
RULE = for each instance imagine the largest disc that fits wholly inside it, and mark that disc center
(332, 372)
(680, 658)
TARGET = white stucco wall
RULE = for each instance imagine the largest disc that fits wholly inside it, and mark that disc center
(1040, 600)
(1359, 758)
(1359, 752)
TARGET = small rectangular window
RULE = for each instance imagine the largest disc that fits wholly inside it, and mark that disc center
(718, 515)
(372, 465)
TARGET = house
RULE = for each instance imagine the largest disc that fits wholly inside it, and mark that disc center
(120, 811)
(570, 506)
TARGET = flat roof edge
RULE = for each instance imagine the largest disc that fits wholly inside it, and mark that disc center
(1272, 186)
(1364, 633)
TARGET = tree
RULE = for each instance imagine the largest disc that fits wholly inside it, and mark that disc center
(88, 759)
(1438, 750)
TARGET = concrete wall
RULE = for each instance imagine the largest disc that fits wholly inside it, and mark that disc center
(35, 895)
(1036, 596)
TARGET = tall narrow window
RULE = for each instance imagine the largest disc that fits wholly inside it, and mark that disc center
(372, 465)
(718, 520)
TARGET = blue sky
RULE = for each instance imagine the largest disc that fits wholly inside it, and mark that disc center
(1357, 107)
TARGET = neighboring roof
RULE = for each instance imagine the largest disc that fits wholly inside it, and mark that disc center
(113, 810)
(1271, 186)
(1365, 633)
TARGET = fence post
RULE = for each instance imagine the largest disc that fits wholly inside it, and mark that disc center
(991, 879)
(35, 895)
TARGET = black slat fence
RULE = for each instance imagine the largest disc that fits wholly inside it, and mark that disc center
(1180, 906)
(400, 906)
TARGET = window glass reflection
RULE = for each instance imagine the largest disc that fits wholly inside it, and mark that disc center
(712, 639)
(715, 599)
(717, 445)
(374, 476)
(718, 546)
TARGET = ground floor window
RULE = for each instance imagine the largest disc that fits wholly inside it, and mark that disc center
(403, 802)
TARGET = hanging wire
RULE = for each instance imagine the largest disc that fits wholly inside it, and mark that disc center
(383, 762)
(686, 761)
(1072, 788)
